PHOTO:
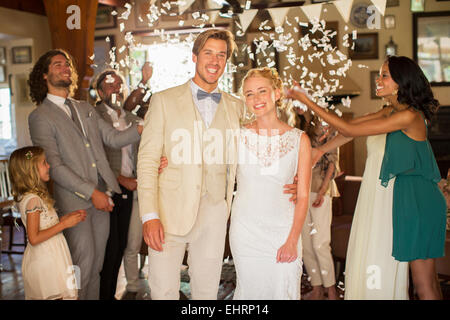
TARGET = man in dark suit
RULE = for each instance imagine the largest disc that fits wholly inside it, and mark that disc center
(109, 85)
(72, 135)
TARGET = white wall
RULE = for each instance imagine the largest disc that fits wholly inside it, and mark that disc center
(27, 29)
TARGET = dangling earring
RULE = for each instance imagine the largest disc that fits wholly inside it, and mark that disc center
(278, 112)
(395, 92)
(248, 115)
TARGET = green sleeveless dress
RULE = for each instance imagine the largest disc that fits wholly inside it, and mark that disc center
(419, 207)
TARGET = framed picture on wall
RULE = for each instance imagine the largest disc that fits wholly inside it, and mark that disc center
(2, 74)
(2, 55)
(431, 45)
(389, 21)
(105, 19)
(21, 54)
(22, 89)
(101, 51)
(365, 46)
(373, 84)
(392, 3)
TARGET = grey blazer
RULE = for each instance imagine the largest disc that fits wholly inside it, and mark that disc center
(75, 160)
(115, 155)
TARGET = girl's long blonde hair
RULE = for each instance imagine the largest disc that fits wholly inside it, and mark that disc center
(24, 174)
(286, 110)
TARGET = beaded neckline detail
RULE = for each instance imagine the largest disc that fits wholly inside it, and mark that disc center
(269, 149)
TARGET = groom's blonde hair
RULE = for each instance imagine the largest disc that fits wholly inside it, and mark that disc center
(219, 34)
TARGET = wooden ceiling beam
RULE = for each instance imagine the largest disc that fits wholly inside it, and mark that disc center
(113, 3)
(32, 6)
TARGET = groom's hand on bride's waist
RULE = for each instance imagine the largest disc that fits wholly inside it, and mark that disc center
(292, 189)
(153, 233)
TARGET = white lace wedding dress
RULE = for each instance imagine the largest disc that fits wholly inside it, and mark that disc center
(262, 216)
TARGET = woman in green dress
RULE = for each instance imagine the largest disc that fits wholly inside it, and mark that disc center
(419, 208)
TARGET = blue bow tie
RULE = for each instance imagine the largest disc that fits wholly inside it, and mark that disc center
(215, 96)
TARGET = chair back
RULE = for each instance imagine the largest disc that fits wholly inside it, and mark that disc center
(5, 183)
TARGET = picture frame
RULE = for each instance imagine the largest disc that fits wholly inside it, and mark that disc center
(101, 50)
(417, 5)
(21, 55)
(141, 8)
(2, 55)
(2, 74)
(429, 33)
(365, 46)
(392, 3)
(373, 85)
(389, 21)
(22, 89)
(104, 18)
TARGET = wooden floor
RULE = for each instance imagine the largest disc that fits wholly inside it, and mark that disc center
(11, 284)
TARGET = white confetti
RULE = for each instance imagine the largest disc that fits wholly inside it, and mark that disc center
(122, 26)
(147, 96)
(313, 231)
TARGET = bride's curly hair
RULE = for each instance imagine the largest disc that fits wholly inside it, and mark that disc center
(414, 89)
(286, 109)
(36, 81)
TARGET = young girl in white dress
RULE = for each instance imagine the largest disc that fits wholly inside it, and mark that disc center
(265, 226)
(47, 268)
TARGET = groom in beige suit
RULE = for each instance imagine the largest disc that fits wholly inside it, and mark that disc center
(187, 206)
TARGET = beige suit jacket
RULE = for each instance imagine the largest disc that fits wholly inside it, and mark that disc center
(175, 194)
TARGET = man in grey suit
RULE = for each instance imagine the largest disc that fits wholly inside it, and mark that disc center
(72, 135)
(111, 91)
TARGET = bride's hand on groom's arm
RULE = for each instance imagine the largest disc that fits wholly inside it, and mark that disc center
(292, 189)
(287, 252)
(153, 233)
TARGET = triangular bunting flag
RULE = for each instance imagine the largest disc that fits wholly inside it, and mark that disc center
(380, 5)
(278, 15)
(184, 5)
(345, 8)
(213, 14)
(313, 11)
(246, 18)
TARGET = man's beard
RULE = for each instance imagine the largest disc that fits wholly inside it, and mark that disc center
(60, 83)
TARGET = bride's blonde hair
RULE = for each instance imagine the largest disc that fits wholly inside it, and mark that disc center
(285, 111)
(24, 174)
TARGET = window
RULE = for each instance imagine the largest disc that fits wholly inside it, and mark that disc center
(172, 64)
(7, 139)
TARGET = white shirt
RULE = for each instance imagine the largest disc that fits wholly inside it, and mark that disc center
(207, 108)
(60, 102)
(120, 124)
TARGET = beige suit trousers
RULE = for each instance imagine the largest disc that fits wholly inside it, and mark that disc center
(316, 237)
(205, 244)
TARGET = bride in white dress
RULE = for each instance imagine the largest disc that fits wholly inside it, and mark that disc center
(265, 226)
